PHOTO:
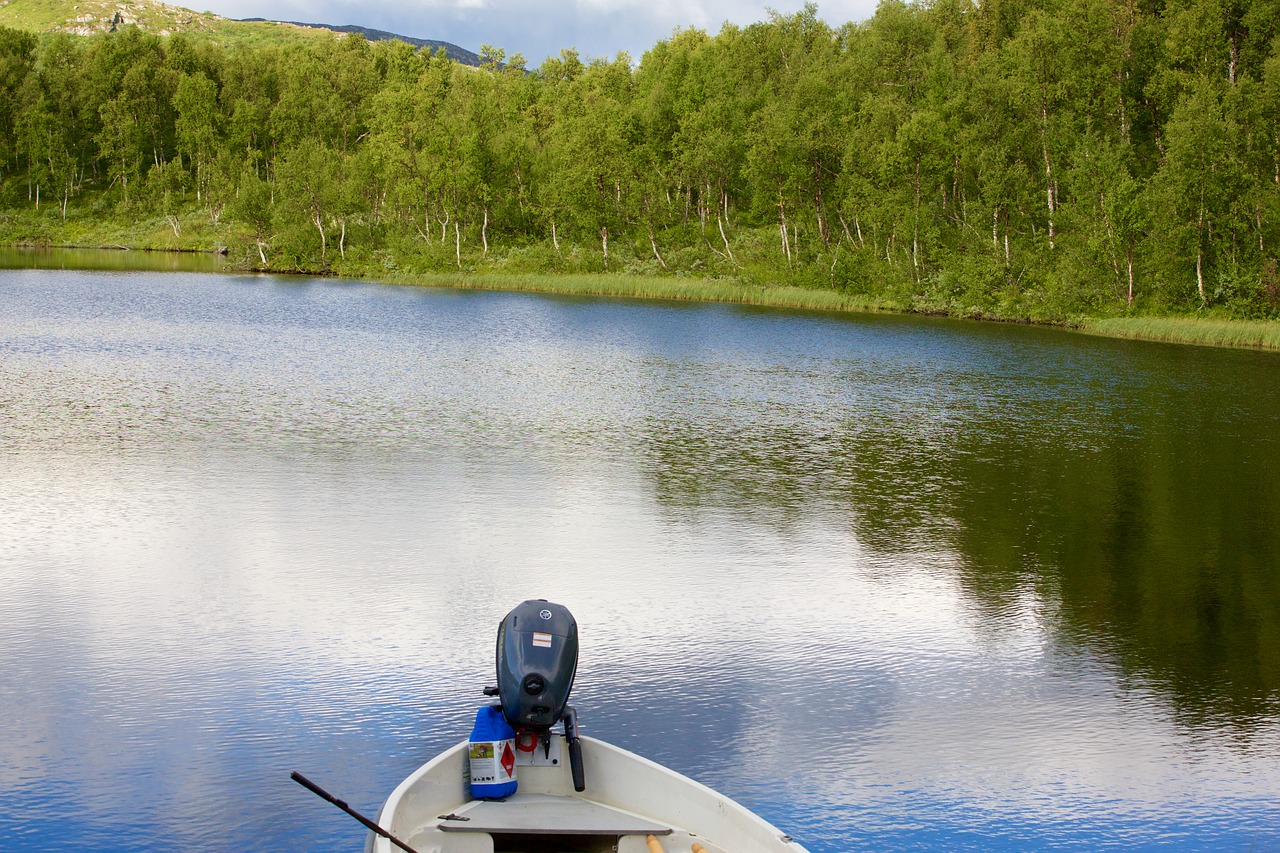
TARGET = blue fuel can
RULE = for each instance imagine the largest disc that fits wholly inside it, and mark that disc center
(491, 754)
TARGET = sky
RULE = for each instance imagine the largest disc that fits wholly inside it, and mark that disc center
(538, 29)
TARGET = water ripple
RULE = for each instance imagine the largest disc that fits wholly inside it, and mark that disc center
(887, 581)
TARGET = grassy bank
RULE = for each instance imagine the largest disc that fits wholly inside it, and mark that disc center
(1251, 334)
(1217, 332)
(650, 287)
(193, 230)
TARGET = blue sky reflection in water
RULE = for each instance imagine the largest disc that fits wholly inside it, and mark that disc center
(896, 583)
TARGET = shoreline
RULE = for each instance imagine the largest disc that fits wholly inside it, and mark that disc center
(1219, 332)
(117, 247)
(1258, 335)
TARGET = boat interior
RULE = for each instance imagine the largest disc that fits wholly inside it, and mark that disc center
(540, 823)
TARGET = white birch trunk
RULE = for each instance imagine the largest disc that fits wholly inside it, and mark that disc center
(315, 217)
(1128, 255)
(1048, 169)
(915, 224)
(1199, 257)
(727, 250)
(654, 245)
(1200, 278)
(1124, 115)
(1049, 195)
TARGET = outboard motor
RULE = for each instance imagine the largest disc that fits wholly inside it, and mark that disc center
(537, 658)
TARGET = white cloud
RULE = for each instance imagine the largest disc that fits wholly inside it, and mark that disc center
(538, 30)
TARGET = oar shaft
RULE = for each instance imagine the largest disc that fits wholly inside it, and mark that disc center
(325, 795)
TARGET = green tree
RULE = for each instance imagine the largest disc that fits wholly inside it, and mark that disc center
(196, 126)
(1194, 194)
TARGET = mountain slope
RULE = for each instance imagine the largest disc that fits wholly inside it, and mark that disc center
(453, 51)
(87, 17)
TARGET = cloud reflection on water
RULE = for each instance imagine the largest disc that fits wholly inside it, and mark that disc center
(283, 534)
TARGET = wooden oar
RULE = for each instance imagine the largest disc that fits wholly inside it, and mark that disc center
(655, 846)
(327, 797)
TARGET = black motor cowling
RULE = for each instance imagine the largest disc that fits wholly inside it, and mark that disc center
(537, 660)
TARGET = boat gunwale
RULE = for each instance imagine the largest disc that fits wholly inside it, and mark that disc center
(731, 812)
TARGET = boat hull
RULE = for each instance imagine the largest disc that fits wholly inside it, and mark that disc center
(628, 800)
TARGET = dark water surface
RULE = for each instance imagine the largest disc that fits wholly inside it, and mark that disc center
(894, 583)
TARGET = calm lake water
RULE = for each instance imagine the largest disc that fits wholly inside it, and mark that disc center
(894, 583)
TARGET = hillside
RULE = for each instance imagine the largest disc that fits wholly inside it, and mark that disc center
(453, 51)
(87, 17)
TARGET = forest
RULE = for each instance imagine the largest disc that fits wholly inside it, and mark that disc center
(1014, 158)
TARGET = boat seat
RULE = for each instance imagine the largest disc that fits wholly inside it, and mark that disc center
(547, 814)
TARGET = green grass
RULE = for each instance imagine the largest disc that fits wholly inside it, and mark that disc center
(650, 287)
(85, 17)
(149, 232)
(1252, 334)
(86, 227)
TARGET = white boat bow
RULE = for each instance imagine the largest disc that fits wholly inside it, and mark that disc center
(629, 803)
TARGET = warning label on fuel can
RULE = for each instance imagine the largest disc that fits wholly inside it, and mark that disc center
(492, 762)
